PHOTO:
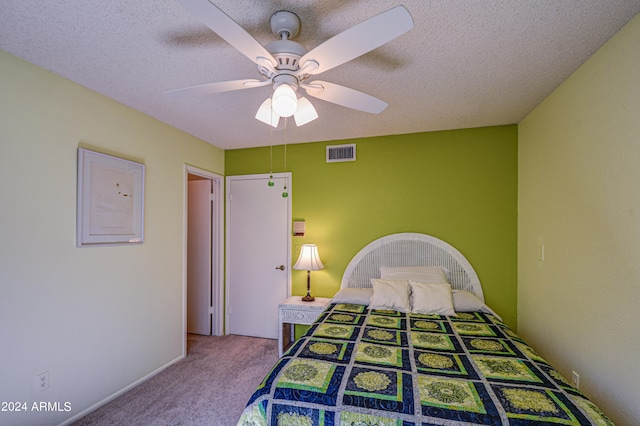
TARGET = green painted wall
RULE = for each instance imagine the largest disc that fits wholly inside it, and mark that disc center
(460, 186)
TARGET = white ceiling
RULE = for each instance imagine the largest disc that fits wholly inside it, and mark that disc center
(466, 63)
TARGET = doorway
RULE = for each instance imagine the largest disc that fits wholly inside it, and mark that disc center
(203, 301)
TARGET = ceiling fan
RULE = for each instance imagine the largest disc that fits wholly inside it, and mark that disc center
(288, 66)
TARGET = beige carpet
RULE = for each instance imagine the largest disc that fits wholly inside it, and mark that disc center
(210, 386)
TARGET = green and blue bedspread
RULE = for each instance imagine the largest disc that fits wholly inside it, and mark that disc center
(360, 367)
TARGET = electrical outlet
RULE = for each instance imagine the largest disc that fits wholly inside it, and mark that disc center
(575, 380)
(42, 381)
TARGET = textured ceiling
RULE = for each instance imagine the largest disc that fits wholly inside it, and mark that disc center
(466, 63)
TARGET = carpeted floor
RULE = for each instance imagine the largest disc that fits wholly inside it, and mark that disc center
(210, 386)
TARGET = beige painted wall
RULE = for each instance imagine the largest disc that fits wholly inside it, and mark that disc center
(97, 319)
(579, 195)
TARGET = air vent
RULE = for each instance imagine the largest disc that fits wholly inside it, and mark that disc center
(337, 153)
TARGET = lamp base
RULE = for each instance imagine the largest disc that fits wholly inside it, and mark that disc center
(308, 298)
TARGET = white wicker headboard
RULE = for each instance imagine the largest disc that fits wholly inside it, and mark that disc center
(411, 249)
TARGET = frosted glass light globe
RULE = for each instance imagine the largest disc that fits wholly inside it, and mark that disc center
(285, 101)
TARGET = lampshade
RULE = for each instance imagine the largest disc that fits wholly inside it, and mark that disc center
(267, 115)
(285, 101)
(309, 259)
(305, 112)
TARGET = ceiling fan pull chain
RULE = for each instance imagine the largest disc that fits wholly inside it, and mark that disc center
(285, 194)
(271, 183)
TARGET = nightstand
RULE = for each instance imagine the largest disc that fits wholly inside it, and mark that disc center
(295, 311)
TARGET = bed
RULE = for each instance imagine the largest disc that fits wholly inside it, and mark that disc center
(408, 340)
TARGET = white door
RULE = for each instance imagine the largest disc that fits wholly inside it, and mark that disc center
(258, 253)
(199, 257)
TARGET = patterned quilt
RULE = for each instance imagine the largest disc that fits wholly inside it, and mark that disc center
(357, 366)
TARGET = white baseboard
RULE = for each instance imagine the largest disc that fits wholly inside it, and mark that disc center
(119, 393)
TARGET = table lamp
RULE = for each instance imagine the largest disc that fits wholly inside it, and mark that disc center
(309, 260)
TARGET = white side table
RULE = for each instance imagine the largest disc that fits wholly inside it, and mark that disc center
(295, 311)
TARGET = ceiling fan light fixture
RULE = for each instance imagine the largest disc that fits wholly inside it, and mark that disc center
(267, 115)
(305, 112)
(288, 65)
(285, 101)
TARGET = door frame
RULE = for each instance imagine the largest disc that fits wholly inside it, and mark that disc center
(265, 176)
(217, 245)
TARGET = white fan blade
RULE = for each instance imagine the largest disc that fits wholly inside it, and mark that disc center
(345, 96)
(213, 88)
(228, 29)
(360, 39)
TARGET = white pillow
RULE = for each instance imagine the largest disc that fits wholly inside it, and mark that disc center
(432, 298)
(464, 301)
(425, 274)
(356, 296)
(390, 294)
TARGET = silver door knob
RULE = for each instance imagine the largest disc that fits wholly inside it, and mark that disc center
(281, 267)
